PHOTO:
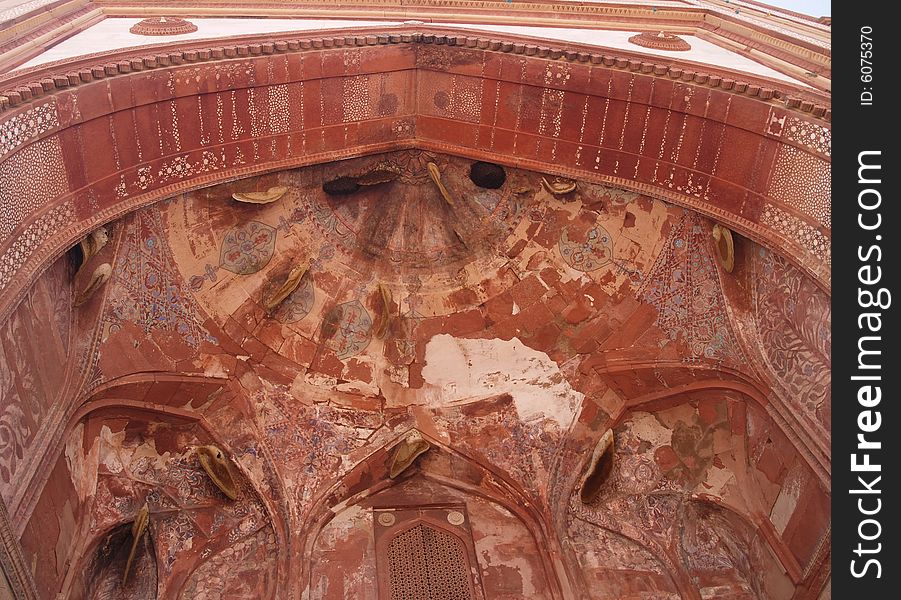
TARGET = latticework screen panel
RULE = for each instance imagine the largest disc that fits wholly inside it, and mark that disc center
(426, 563)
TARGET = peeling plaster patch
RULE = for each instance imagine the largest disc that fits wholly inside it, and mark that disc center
(363, 434)
(212, 366)
(359, 388)
(716, 480)
(399, 375)
(723, 591)
(319, 380)
(67, 526)
(82, 466)
(108, 456)
(114, 447)
(345, 521)
(506, 570)
(601, 550)
(252, 465)
(610, 402)
(463, 369)
(647, 427)
(192, 402)
(787, 500)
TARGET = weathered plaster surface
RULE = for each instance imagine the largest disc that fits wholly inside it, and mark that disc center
(510, 328)
(456, 370)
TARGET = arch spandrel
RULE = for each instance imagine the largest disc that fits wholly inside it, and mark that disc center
(193, 97)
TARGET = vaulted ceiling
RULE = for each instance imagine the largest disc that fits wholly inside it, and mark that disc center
(315, 247)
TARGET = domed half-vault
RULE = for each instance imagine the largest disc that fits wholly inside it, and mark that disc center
(393, 311)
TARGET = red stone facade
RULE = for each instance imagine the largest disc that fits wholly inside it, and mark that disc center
(510, 327)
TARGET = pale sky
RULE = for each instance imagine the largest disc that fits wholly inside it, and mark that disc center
(814, 8)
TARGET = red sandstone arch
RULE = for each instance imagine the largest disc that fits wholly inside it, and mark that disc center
(113, 130)
(120, 400)
(677, 378)
(128, 395)
(808, 576)
(370, 476)
(121, 130)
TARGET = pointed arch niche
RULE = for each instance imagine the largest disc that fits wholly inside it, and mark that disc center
(437, 529)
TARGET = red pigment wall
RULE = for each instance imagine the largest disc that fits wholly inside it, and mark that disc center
(34, 344)
(49, 535)
(509, 561)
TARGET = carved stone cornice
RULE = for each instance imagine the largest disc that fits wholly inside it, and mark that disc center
(30, 33)
(30, 84)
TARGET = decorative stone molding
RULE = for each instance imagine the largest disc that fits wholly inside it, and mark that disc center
(749, 85)
(72, 86)
(31, 34)
(163, 26)
(660, 41)
(23, 9)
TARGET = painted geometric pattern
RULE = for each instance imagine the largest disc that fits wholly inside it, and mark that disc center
(241, 572)
(357, 100)
(348, 329)
(613, 551)
(307, 436)
(311, 441)
(798, 231)
(803, 181)
(187, 511)
(29, 179)
(31, 238)
(247, 248)
(27, 125)
(813, 136)
(523, 450)
(684, 288)
(793, 317)
(15, 437)
(34, 344)
(146, 288)
(595, 251)
(298, 304)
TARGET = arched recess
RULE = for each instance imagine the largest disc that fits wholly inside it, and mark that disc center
(120, 452)
(784, 323)
(661, 382)
(441, 477)
(725, 553)
(616, 567)
(136, 128)
(107, 558)
(709, 443)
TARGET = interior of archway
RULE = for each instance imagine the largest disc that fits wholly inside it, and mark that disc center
(511, 326)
